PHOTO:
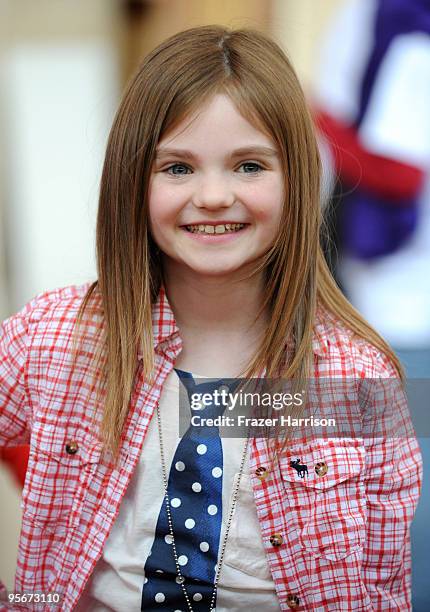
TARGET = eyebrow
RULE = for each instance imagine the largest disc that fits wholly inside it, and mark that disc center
(186, 154)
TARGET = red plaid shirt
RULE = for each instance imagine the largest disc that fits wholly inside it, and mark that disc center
(334, 542)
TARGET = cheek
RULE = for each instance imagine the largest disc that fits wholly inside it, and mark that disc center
(268, 204)
(162, 211)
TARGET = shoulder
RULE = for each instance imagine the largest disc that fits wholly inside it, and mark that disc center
(344, 353)
(60, 304)
(48, 316)
(40, 332)
(62, 300)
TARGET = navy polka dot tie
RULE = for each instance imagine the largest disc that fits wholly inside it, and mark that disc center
(195, 494)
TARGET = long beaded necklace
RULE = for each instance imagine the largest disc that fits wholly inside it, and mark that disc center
(180, 579)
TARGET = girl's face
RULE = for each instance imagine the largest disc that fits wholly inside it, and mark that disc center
(216, 192)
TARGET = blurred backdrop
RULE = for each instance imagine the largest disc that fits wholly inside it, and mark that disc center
(63, 66)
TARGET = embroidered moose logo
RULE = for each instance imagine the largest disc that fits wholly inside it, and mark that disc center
(301, 469)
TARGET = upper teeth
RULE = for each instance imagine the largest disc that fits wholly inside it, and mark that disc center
(215, 229)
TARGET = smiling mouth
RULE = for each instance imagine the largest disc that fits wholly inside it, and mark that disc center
(227, 228)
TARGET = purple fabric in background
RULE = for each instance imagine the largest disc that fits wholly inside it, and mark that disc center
(371, 226)
(393, 18)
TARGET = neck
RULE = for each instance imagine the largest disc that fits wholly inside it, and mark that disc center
(226, 304)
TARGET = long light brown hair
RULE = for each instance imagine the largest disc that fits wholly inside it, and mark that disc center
(171, 83)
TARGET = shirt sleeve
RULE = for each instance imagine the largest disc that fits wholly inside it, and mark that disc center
(15, 409)
(393, 484)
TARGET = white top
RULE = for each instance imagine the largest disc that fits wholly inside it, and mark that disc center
(117, 581)
(393, 291)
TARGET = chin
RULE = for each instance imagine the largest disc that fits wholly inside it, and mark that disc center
(212, 271)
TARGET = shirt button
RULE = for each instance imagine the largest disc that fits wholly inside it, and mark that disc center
(261, 472)
(276, 539)
(72, 447)
(292, 601)
(223, 388)
(321, 468)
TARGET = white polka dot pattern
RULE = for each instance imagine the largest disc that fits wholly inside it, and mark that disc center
(194, 493)
(183, 560)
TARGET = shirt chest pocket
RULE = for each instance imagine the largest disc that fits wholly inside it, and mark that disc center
(244, 550)
(62, 462)
(325, 496)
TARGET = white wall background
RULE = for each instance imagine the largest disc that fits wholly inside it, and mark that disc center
(57, 101)
(59, 87)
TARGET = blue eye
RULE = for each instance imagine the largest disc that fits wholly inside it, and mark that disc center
(251, 167)
(182, 169)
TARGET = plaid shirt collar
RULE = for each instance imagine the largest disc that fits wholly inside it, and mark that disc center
(164, 328)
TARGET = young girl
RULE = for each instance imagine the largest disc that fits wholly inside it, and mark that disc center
(209, 265)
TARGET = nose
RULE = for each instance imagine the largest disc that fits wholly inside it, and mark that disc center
(213, 191)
